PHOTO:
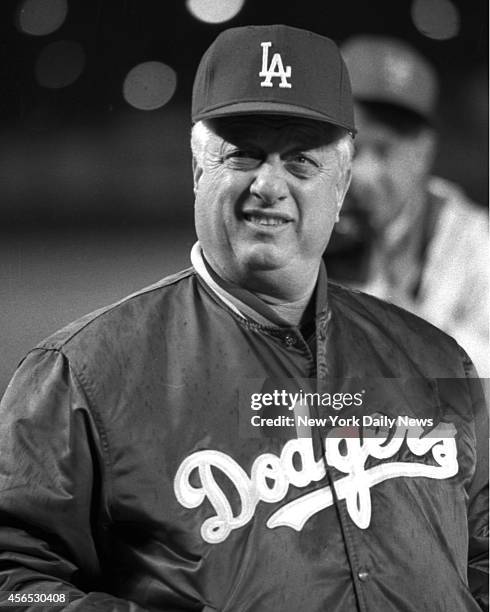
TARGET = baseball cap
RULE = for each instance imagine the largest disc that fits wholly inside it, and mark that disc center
(389, 70)
(273, 69)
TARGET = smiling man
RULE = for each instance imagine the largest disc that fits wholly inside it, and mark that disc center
(268, 193)
(149, 459)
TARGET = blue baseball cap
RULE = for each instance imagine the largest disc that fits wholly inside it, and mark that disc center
(273, 70)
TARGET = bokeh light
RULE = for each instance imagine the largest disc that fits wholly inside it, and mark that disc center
(60, 64)
(437, 19)
(149, 85)
(41, 17)
(212, 11)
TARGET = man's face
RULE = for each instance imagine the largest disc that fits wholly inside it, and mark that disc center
(268, 191)
(389, 171)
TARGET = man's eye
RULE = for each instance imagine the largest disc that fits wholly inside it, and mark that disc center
(242, 159)
(302, 159)
(302, 165)
(242, 154)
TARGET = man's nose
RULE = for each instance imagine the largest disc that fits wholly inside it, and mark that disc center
(270, 183)
(365, 170)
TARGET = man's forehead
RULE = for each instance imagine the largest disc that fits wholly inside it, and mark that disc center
(285, 130)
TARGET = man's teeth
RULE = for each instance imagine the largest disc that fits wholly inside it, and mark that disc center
(260, 220)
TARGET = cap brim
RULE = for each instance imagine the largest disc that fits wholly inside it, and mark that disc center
(388, 99)
(269, 108)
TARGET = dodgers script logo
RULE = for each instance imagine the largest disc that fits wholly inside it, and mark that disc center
(276, 68)
(271, 477)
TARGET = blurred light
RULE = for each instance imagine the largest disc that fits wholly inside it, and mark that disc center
(438, 19)
(149, 85)
(213, 11)
(41, 17)
(60, 64)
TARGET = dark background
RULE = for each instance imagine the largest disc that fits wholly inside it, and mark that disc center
(96, 195)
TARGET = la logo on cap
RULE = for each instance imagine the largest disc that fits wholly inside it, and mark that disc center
(275, 69)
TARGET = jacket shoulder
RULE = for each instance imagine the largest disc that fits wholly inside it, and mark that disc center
(130, 307)
(458, 210)
(380, 318)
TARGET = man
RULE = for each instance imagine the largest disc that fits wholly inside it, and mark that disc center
(139, 469)
(428, 243)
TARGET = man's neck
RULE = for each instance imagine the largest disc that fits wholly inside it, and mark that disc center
(288, 297)
(395, 255)
(295, 312)
(405, 228)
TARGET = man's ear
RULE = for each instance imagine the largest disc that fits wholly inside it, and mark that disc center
(342, 188)
(197, 172)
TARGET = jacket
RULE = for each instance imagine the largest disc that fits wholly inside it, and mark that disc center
(132, 477)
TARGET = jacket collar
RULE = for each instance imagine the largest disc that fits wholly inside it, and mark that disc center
(245, 303)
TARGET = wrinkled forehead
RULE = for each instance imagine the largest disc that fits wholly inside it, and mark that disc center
(275, 131)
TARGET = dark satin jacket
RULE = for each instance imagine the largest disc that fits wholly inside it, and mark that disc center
(132, 479)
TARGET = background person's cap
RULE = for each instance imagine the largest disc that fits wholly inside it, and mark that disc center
(273, 69)
(391, 71)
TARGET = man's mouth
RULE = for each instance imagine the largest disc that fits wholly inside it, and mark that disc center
(267, 219)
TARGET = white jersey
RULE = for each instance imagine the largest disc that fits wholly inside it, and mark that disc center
(453, 279)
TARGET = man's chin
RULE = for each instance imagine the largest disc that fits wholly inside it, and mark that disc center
(264, 259)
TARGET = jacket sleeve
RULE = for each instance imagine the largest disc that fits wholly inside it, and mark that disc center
(50, 461)
(478, 496)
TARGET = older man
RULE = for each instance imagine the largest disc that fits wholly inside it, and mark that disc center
(429, 246)
(241, 436)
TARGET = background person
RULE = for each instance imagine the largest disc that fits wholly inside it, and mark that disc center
(421, 243)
